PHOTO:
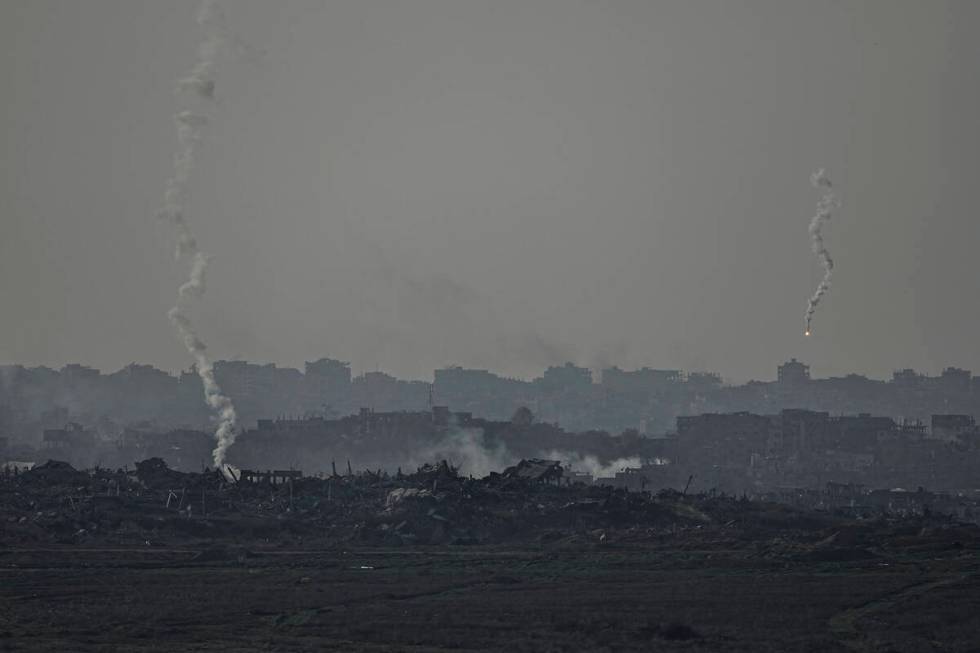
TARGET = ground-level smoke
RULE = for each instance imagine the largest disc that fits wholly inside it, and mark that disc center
(591, 464)
(190, 124)
(825, 208)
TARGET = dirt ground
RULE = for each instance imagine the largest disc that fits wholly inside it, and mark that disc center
(654, 597)
(156, 560)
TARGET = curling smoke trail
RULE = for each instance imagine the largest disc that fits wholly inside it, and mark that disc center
(825, 208)
(190, 126)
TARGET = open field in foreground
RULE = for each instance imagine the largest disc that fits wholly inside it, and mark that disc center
(653, 597)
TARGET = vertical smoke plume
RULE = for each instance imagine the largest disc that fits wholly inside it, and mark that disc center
(825, 208)
(190, 125)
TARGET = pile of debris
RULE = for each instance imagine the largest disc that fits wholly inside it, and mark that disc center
(435, 505)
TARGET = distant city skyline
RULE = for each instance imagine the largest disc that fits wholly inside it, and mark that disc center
(595, 372)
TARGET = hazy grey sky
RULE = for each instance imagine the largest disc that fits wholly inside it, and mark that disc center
(506, 183)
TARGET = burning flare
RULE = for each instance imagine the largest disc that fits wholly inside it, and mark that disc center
(190, 125)
(825, 208)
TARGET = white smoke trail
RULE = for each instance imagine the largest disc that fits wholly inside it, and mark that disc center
(190, 125)
(825, 208)
(201, 78)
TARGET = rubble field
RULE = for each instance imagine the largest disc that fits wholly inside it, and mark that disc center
(156, 560)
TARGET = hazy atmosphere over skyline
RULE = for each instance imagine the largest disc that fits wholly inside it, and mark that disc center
(506, 184)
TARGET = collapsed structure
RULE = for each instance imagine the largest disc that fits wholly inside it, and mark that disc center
(531, 502)
(731, 452)
(793, 432)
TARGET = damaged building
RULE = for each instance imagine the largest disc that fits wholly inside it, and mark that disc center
(803, 448)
